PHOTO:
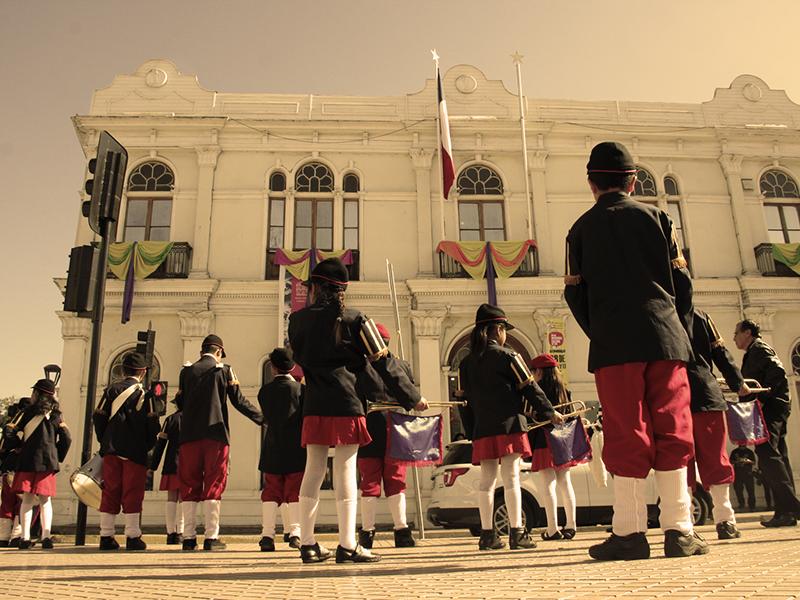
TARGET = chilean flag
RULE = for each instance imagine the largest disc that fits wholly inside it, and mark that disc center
(446, 147)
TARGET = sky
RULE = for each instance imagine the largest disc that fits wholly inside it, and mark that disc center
(53, 54)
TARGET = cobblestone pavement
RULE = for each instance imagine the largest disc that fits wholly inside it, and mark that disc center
(763, 563)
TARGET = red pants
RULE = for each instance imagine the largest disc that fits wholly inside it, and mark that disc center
(373, 470)
(9, 501)
(710, 449)
(282, 488)
(203, 470)
(647, 421)
(123, 483)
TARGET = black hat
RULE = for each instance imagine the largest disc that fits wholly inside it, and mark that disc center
(331, 270)
(134, 360)
(610, 157)
(281, 359)
(214, 340)
(45, 386)
(491, 314)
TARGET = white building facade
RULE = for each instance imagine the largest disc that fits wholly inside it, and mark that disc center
(230, 178)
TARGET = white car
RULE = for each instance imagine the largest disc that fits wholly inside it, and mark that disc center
(454, 503)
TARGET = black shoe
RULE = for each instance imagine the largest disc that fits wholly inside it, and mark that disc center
(677, 544)
(14, 542)
(520, 538)
(489, 540)
(267, 544)
(3, 543)
(210, 544)
(727, 531)
(108, 543)
(548, 537)
(287, 538)
(314, 554)
(618, 547)
(189, 544)
(568, 533)
(135, 544)
(366, 537)
(294, 542)
(25, 544)
(358, 555)
(47, 543)
(403, 538)
(782, 520)
(173, 539)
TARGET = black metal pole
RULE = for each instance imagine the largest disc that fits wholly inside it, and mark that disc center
(94, 360)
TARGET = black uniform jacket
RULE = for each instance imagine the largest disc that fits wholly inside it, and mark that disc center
(709, 350)
(45, 448)
(376, 421)
(762, 364)
(8, 455)
(206, 386)
(622, 257)
(333, 356)
(281, 402)
(168, 439)
(537, 437)
(494, 402)
(132, 431)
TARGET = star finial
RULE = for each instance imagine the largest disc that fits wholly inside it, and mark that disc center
(435, 56)
(517, 58)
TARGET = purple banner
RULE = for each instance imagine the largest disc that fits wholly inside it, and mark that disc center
(413, 440)
(746, 425)
(569, 444)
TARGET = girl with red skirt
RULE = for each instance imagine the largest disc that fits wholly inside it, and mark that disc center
(167, 445)
(334, 346)
(499, 390)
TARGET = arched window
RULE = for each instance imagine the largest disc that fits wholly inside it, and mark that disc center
(671, 186)
(116, 374)
(480, 204)
(276, 220)
(148, 214)
(314, 177)
(313, 207)
(277, 182)
(777, 184)
(645, 184)
(351, 184)
(783, 218)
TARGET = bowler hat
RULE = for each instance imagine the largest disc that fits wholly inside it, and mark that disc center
(281, 359)
(331, 270)
(134, 360)
(610, 157)
(214, 340)
(45, 386)
(491, 314)
(543, 361)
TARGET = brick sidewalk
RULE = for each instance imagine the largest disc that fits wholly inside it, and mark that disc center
(763, 563)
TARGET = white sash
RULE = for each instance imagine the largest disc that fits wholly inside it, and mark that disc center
(31, 426)
(119, 401)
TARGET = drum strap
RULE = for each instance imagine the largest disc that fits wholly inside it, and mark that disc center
(31, 426)
(119, 401)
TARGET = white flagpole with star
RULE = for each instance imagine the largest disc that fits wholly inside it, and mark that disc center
(517, 58)
(435, 56)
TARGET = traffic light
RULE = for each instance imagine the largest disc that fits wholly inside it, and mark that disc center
(81, 280)
(159, 392)
(105, 187)
(145, 344)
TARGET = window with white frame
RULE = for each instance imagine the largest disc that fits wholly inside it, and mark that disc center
(781, 213)
(313, 207)
(480, 204)
(148, 213)
(645, 185)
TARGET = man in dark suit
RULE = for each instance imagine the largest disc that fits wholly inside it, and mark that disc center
(205, 387)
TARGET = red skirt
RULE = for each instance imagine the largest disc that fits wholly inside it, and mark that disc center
(497, 446)
(34, 482)
(542, 459)
(169, 483)
(334, 431)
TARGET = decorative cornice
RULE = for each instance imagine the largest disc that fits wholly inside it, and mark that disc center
(207, 155)
(538, 160)
(421, 158)
(196, 324)
(428, 323)
(764, 317)
(73, 327)
(731, 164)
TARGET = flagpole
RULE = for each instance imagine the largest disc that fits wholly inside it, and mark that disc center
(517, 58)
(439, 147)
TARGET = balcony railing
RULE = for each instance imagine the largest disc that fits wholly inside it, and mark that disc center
(767, 264)
(176, 266)
(273, 271)
(451, 269)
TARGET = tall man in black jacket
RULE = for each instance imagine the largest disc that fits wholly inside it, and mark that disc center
(622, 259)
(761, 363)
(205, 387)
(126, 427)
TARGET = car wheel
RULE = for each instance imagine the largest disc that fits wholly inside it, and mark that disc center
(699, 511)
(500, 515)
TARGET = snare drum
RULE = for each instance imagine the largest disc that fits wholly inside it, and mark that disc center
(87, 482)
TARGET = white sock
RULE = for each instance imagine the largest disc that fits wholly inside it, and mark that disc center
(676, 504)
(567, 493)
(132, 527)
(308, 516)
(546, 482)
(509, 472)
(630, 507)
(723, 510)
(292, 521)
(179, 517)
(171, 516)
(5, 529)
(397, 505)
(316, 465)
(189, 520)
(486, 508)
(269, 511)
(107, 524)
(346, 517)
(368, 507)
(285, 517)
(16, 529)
(211, 509)
(345, 484)
(46, 515)
(486, 486)
(26, 515)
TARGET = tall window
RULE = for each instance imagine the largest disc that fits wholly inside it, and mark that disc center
(351, 186)
(149, 203)
(674, 209)
(313, 207)
(645, 184)
(671, 186)
(480, 204)
(116, 373)
(783, 222)
(276, 220)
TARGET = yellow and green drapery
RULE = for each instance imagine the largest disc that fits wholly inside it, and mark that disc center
(300, 263)
(488, 259)
(788, 254)
(130, 261)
